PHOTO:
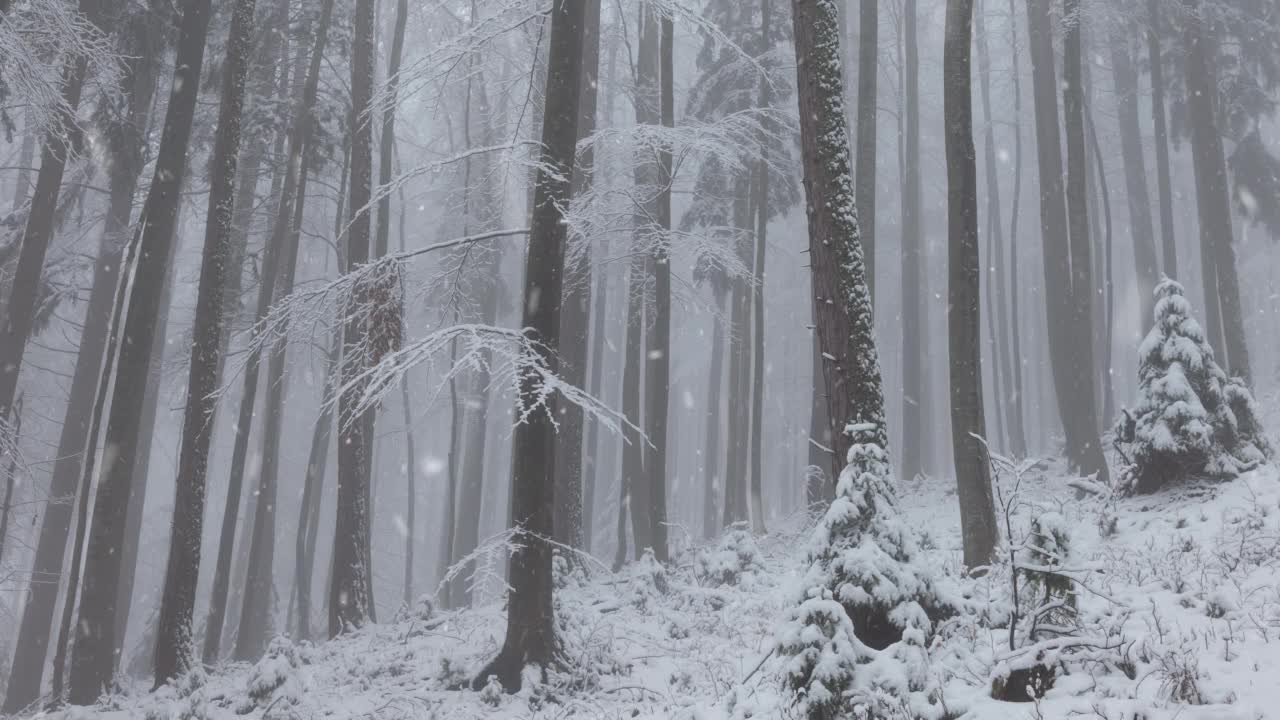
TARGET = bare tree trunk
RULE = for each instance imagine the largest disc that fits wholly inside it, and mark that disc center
(142, 467)
(1212, 199)
(1070, 340)
(576, 311)
(244, 422)
(1145, 260)
(914, 318)
(738, 440)
(1015, 323)
(842, 302)
(712, 480)
(868, 57)
(1108, 284)
(255, 617)
(634, 487)
(531, 627)
(657, 382)
(968, 425)
(349, 599)
(174, 640)
(1163, 181)
(1084, 340)
(997, 297)
(591, 464)
(757, 339)
(92, 662)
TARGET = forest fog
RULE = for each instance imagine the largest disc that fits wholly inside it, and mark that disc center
(897, 359)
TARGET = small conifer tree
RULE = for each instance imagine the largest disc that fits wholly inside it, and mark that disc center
(1191, 420)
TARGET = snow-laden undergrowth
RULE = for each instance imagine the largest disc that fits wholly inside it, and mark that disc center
(1181, 589)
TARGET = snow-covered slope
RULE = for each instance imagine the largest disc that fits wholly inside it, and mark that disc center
(1185, 586)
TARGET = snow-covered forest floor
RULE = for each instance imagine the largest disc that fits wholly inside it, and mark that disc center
(1184, 587)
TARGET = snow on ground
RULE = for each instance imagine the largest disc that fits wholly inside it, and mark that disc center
(1186, 583)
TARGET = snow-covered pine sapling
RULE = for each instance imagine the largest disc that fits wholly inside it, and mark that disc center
(733, 560)
(867, 606)
(1191, 419)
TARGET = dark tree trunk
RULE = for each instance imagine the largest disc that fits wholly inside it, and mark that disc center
(255, 616)
(1163, 180)
(1082, 291)
(142, 467)
(531, 631)
(842, 302)
(1212, 198)
(868, 57)
(124, 137)
(1070, 340)
(349, 598)
(575, 318)
(174, 639)
(1145, 260)
(914, 324)
(60, 144)
(968, 426)
(244, 423)
(10, 476)
(92, 662)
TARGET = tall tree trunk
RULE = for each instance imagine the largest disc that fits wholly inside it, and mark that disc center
(712, 479)
(92, 661)
(914, 319)
(738, 440)
(757, 302)
(531, 632)
(124, 140)
(631, 501)
(1015, 324)
(244, 423)
(1070, 340)
(657, 383)
(1146, 263)
(174, 639)
(868, 56)
(1108, 285)
(142, 467)
(1212, 199)
(591, 463)
(1163, 181)
(349, 598)
(1082, 291)
(997, 302)
(841, 300)
(60, 144)
(968, 425)
(576, 311)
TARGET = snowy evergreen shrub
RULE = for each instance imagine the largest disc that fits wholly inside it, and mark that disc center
(867, 607)
(276, 679)
(1050, 593)
(1191, 420)
(734, 559)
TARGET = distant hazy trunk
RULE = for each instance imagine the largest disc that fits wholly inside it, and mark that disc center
(1212, 199)
(1164, 183)
(865, 167)
(1145, 261)
(914, 325)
